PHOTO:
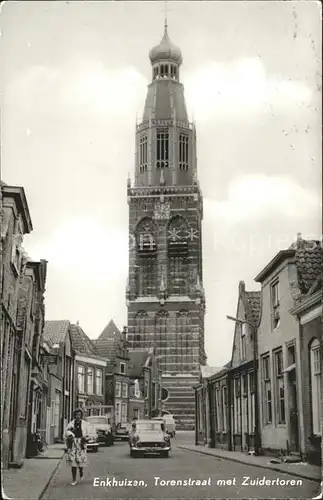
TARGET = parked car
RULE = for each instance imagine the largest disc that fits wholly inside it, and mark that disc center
(170, 425)
(122, 431)
(102, 428)
(92, 443)
(149, 437)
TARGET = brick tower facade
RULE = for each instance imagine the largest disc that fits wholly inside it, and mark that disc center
(165, 296)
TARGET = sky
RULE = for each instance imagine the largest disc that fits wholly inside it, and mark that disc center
(73, 83)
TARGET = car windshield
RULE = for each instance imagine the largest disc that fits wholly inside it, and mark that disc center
(149, 426)
(97, 420)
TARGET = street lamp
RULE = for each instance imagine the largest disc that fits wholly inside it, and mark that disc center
(255, 378)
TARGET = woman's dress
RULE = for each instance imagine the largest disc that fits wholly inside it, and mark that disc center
(76, 446)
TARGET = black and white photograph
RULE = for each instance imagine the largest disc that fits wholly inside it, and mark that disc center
(161, 250)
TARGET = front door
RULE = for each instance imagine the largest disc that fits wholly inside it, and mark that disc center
(293, 413)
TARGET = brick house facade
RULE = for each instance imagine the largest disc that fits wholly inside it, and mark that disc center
(165, 296)
(89, 373)
(15, 223)
(61, 401)
(309, 312)
(243, 371)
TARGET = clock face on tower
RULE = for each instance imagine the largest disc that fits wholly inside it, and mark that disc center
(162, 211)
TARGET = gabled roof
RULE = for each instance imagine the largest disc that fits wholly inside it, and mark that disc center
(110, 331)
(55, 331)
(81, 342)
(108, 342)
(308, 258)
(137, 360)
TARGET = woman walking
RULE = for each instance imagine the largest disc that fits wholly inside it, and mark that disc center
(76, 435)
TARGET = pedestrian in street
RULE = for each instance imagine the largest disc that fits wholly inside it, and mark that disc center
(76, 435)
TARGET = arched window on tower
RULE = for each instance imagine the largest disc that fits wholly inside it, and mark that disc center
(140, 333)
(161, 337)
(315, 364)
(183, 347)
(177, 248)
(146, 261)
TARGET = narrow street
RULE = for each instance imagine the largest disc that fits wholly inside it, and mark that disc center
(223, 478)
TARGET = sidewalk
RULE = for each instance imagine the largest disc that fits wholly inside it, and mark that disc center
(302, 470)
(30, 482)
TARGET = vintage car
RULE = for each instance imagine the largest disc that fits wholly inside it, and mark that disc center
(148, 437)
(102, 428)
(170, 426)
(92, 443)
(122, 431)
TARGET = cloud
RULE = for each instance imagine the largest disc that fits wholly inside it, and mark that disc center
(240, 89)
(81, 246)
(86, 88)
(254, 196)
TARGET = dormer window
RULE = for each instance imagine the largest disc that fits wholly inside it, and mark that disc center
(162, 148)
(183, 152)
(143, 153)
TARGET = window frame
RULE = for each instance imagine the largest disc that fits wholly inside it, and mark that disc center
(118, 389)
(99, 376)
(80, 374)
(275, 303)
(267, 389)
(90, 387)
(316, 390)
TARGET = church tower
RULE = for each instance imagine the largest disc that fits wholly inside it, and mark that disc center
(165, 296)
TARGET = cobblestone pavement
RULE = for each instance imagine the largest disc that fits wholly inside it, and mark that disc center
(223, 478)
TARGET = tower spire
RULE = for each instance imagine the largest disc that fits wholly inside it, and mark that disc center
(166, 12)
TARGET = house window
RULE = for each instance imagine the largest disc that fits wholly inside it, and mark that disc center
(122, 368)
(98, 382)
(243, 341)
(275, 304)
(291, 355)
(316, 386)
(183, 152)
(267, 391)
(81, 378)
(90, 381)
(117, 412)
(136, 413)
(224, 408)
(123, 412)
(280, 389)
(124, 393)
(143, 155)
(162, 148)
(118, 389)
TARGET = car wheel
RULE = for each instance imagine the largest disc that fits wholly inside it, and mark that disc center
(164, 454)
(133, 454)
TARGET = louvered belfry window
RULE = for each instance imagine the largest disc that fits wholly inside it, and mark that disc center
(162, 150)
(183, 152)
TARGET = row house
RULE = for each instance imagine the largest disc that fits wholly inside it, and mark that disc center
(287, 278)
(30, 376)
(272, 392)
(145, 398)
(212, 396)
(309, 313)
(244, 370)
(61, 398)
(112, 345)
(89, 386)
(15, 223)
